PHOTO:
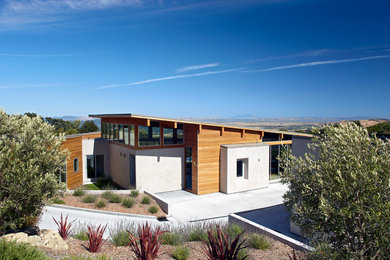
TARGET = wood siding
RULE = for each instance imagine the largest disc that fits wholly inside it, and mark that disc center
(75, 149)
(191, 140)
(210, 140)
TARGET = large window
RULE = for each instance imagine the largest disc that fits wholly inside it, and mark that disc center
(95, 166)
(115, 132)
(111, 131)
(149, 135)
(76, 165)
(126, 134)
(120, 139)
(275, 150)
(173, 135)
(132, 135)
(103, 130)
(269, 137)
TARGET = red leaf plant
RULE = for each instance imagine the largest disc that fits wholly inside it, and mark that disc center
(147, 245)
(64, 227)
(95, 238)
(220, 247)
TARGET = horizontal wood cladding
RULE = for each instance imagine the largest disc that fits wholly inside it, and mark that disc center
(210, 140)
(74, 147)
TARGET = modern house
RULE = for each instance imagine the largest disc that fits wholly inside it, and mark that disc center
(161, 154)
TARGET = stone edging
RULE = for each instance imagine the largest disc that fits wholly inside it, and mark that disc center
(233, 218)
(103, 212)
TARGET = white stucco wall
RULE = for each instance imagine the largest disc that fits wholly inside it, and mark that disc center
(159, 170)
(95, 147)
(120, 164)
(87, 149)
(257, 156)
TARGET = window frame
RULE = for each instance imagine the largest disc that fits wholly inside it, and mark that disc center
(76, 164)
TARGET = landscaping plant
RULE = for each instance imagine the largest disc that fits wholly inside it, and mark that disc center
(78, 193)
(259, 242)
(220, 246)
(339, 193)
(31, 163)
(147, 245)
(81, 234)
(128, 203)
(146, 200)
(100, 204)
(134, 193)
(120, 238)
(20, 251)
(181, 253)
(64, 227)
(89, 198)
(197, 234)
(171, 238)
(95, 238)
(153, 209)
(107, 195)
(115, 198)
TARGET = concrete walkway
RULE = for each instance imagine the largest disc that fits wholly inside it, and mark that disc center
(186, 206)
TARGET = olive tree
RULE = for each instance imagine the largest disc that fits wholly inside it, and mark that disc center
(31, 161)
(339, 192)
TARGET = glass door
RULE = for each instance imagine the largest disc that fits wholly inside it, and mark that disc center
(188, 151)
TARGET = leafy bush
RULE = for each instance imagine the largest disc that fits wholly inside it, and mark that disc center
(181, 253)
(147, 245)
(127, 203)
(259, 242)
(81, 234)
(107, 195)
(115, 198)
(146, 200)
(89, 198)
(100, 204)
(134, 193)
(153, 209)
(64, 227)
(95, 238)
(340, 191)
(171, 238)
(197, 234)
(78, 192)
(13, 250)
(221, 246)
(32, 161)
(121, 238)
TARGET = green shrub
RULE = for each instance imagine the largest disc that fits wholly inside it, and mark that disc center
(259, 242)
(57, 201)
(100, 204)
(242, 254)
(172, 238)
(107, 195)
(115, 198)
(99, 257)
(233, 230)
(78, 192)
(197, 234)
(134, 193)
(153, 209)
(89, 198)
(13, 250)
(120, 238)
(128, 203)
(146, 200)
(31, 162)
(81, 235)
(181, 253)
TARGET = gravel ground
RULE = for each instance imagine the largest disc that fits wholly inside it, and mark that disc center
(137, 208)
(79, 248)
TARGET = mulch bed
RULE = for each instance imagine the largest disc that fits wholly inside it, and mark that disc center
(137, 208)
(79, 248)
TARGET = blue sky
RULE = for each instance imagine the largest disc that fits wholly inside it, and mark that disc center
(216, 58)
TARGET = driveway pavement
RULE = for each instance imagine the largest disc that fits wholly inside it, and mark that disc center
(186, 206)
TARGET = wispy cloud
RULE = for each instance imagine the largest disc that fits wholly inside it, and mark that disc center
(312, 53)
(317, 63)
(19, 86)
(200, 74)
(198, 67)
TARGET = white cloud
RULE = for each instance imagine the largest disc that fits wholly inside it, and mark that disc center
(317, 63)
(200, 74)
(198, 67)
(313, 53)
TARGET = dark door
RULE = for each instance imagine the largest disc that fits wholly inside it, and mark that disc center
(188, 152)
(132, 170)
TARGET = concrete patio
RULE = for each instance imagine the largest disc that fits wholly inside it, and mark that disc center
(186, 206)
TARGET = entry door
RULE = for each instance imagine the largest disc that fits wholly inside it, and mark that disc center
(132, 170)
(188, 152)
